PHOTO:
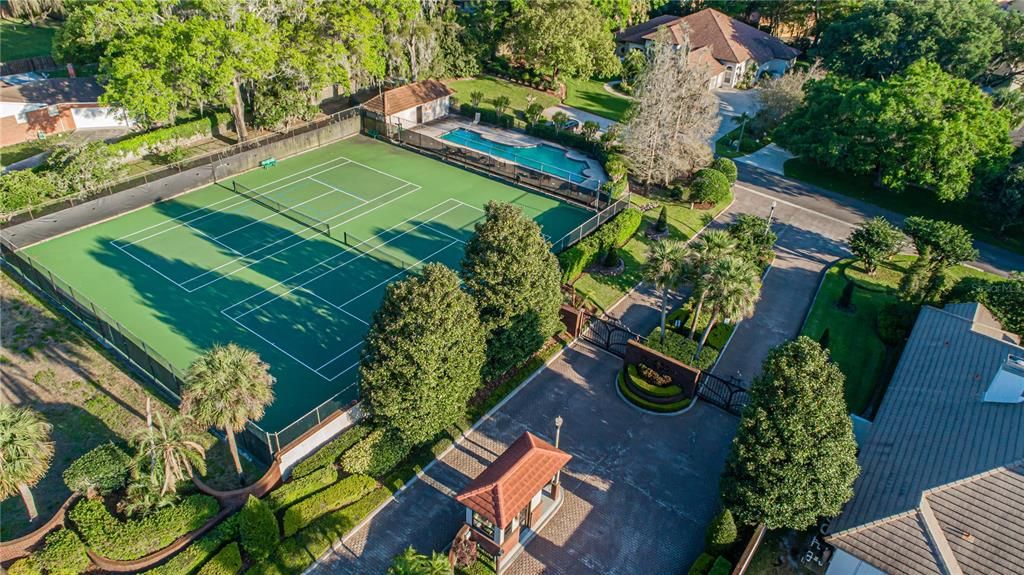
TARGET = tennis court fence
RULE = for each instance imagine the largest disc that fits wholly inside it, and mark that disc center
(124, 344)
(511, 172)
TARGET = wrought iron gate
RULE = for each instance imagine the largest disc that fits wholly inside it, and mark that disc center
(609, 334)
(728, 395)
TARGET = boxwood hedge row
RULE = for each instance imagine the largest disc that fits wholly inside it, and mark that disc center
(296, 489)
(342, 493)
(614, 233)
(331, 451)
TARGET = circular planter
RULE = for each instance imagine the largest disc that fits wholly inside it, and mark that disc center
(659, 404)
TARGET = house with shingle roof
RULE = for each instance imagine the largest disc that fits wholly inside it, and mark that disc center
(941, 489)
(34, 110)
(730, 48)
(513, 497)
(411, 104)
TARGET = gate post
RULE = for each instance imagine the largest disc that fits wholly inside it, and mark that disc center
(572, 318)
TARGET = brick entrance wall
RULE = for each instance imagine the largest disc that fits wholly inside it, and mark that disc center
(682, 375)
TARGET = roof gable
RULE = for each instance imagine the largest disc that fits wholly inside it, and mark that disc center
(508, 484)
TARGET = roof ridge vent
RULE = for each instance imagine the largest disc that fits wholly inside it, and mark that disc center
(1008, 384)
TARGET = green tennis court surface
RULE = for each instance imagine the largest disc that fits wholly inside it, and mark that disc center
(290, 261)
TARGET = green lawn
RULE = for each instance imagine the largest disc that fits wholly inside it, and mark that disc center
(590, 96)
(726, 145)
(493, 87)
(853, 341)
(684, 223)
(915, 202)
(19, 40)
(18, 152)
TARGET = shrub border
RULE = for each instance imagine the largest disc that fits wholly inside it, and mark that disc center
(638, 403)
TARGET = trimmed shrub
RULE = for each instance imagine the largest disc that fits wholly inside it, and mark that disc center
(64, 553)
(340, 494)
(25, 566)
(200, 550)
(184, 129)
(124, 541)
(682, 348)
(727, 167)
(895, 321)
(576, 259)
(662, 225)
(227, 562)
(702, 565)
(615, 232)
(99, 471)
(329, 453)
(721, 567)
(257, 528)
(611, 257)
(709, 187)
(297, 489)
(721, 534)
(375, 454)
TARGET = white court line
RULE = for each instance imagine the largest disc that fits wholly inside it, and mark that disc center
(335, 306)
(131, 255)
(404, 271)
(342, 264)
(229, 198)
(313, 235)
(336, 189)
(242, 200)
(297, 360)
(265, 218)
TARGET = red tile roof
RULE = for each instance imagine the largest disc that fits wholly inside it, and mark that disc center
(508, 484)
(408, 96)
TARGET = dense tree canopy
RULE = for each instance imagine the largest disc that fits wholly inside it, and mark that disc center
(884, 38)
(794, 458)
(940, 245)
(921, 128)
(510, 271)
(874, 242)
(423, 355)
(564, 37)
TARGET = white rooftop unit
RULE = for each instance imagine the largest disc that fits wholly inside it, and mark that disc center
(1008, 384)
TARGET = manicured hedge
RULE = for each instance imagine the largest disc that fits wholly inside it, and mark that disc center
(375, 454)
(719, 335)
(191, 557)
(297, 489)
(340, 494)
(134, 538)
(702, 565)
(330, 452)
(100, 471)
(64, 554)
(615, 232)
(148, 141)
(649, 405)
(633, 373)
(258, 528)
(727, 167)
(709, 186)
(25, 566)
(227, 562)
(682, 348)
(721, 567)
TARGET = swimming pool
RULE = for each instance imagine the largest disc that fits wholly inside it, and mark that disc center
(542, 157)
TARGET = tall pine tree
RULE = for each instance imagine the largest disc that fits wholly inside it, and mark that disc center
(510, 270)
(794, 458)
(423, 355)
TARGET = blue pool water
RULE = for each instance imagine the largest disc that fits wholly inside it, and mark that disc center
(542, 157)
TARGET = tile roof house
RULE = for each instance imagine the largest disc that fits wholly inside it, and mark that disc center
(411, 104)
(736, 47)
(45, 107)
(941, 489)
(513, 497)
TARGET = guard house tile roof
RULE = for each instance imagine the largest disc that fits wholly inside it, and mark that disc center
(933, 430)
(408, 96)
(729, 39)
(508, 484)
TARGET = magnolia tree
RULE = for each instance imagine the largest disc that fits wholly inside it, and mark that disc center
(674, 117)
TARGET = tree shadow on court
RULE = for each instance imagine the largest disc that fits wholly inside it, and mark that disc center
(321, 297)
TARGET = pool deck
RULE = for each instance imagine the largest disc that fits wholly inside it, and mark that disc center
(440, 127)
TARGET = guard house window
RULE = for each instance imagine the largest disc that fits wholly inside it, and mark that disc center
(483, 524)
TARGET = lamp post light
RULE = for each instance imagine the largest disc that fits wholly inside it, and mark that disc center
(558, 438)
(771, 215)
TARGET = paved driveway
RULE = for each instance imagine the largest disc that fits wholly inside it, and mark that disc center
(639, 490)
(732, 103)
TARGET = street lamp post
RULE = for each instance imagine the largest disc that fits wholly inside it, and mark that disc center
(771, 214)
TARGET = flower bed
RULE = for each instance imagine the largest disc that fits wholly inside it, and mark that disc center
(647, 404)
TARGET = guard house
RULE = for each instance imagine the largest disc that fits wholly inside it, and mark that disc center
(514, 497)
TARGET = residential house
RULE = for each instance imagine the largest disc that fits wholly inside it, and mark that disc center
(411, 104)
(38, 109)
(729, 47)
(941, 489)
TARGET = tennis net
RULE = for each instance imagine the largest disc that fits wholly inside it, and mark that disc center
(291, 213)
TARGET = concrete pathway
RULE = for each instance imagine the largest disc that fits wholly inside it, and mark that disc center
(639, 490)
(770, 158)
(731, 104)
(580, 115)
(609, 87)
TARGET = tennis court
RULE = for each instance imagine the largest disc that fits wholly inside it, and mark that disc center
(291, 261)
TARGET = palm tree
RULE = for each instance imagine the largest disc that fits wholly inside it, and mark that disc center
(171, 452)
(733, 288)
(25, 453)
(662, 269)
(708, 247)
(226, 387)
